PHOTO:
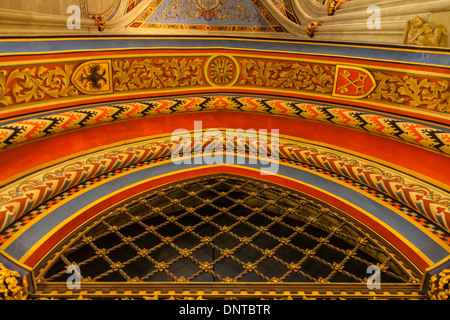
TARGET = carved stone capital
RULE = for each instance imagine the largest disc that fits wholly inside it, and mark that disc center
(420, 32)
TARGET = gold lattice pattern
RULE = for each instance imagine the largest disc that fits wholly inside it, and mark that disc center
(226, 229)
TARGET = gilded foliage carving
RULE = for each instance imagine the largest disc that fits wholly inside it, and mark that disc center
(11, 286)
(35, 83)
(440, 286)
(307, 77)
(412, 91)
(157, 73)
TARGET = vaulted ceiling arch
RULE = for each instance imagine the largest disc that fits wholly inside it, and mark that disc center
(61, 177)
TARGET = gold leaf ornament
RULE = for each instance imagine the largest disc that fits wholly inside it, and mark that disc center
(440, 286)
(156, 73)
(4, 90)
(34, 84)
(10, 286)
(412, 91)
(288, 75)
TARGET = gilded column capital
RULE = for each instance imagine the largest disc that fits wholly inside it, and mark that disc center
(440, 286)
(12, 286)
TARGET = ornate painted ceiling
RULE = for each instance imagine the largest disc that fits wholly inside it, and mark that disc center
(227, 16)
(87, 123)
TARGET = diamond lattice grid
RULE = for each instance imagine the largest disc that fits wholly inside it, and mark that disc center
(224, 229)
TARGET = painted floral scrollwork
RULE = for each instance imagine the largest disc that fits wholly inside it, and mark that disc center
(307, 77)
(157, 73)
(440, 286)
(207, 10)
(35, 83)
(412, 91)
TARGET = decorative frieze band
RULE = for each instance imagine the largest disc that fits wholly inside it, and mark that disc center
(328, 80)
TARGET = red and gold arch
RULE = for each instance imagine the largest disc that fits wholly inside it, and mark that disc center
(82, 131)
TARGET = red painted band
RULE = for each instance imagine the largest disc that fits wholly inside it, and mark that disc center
(27, 157)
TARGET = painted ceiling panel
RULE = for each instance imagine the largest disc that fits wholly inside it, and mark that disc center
(208, 15)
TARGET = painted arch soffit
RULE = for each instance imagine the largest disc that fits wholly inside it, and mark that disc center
(418, 133)
(427, 199)
(27, 246)
(290, 148)
(362, 178)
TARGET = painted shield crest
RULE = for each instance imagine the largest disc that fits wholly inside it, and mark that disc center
(353, 82)
(93, 77)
